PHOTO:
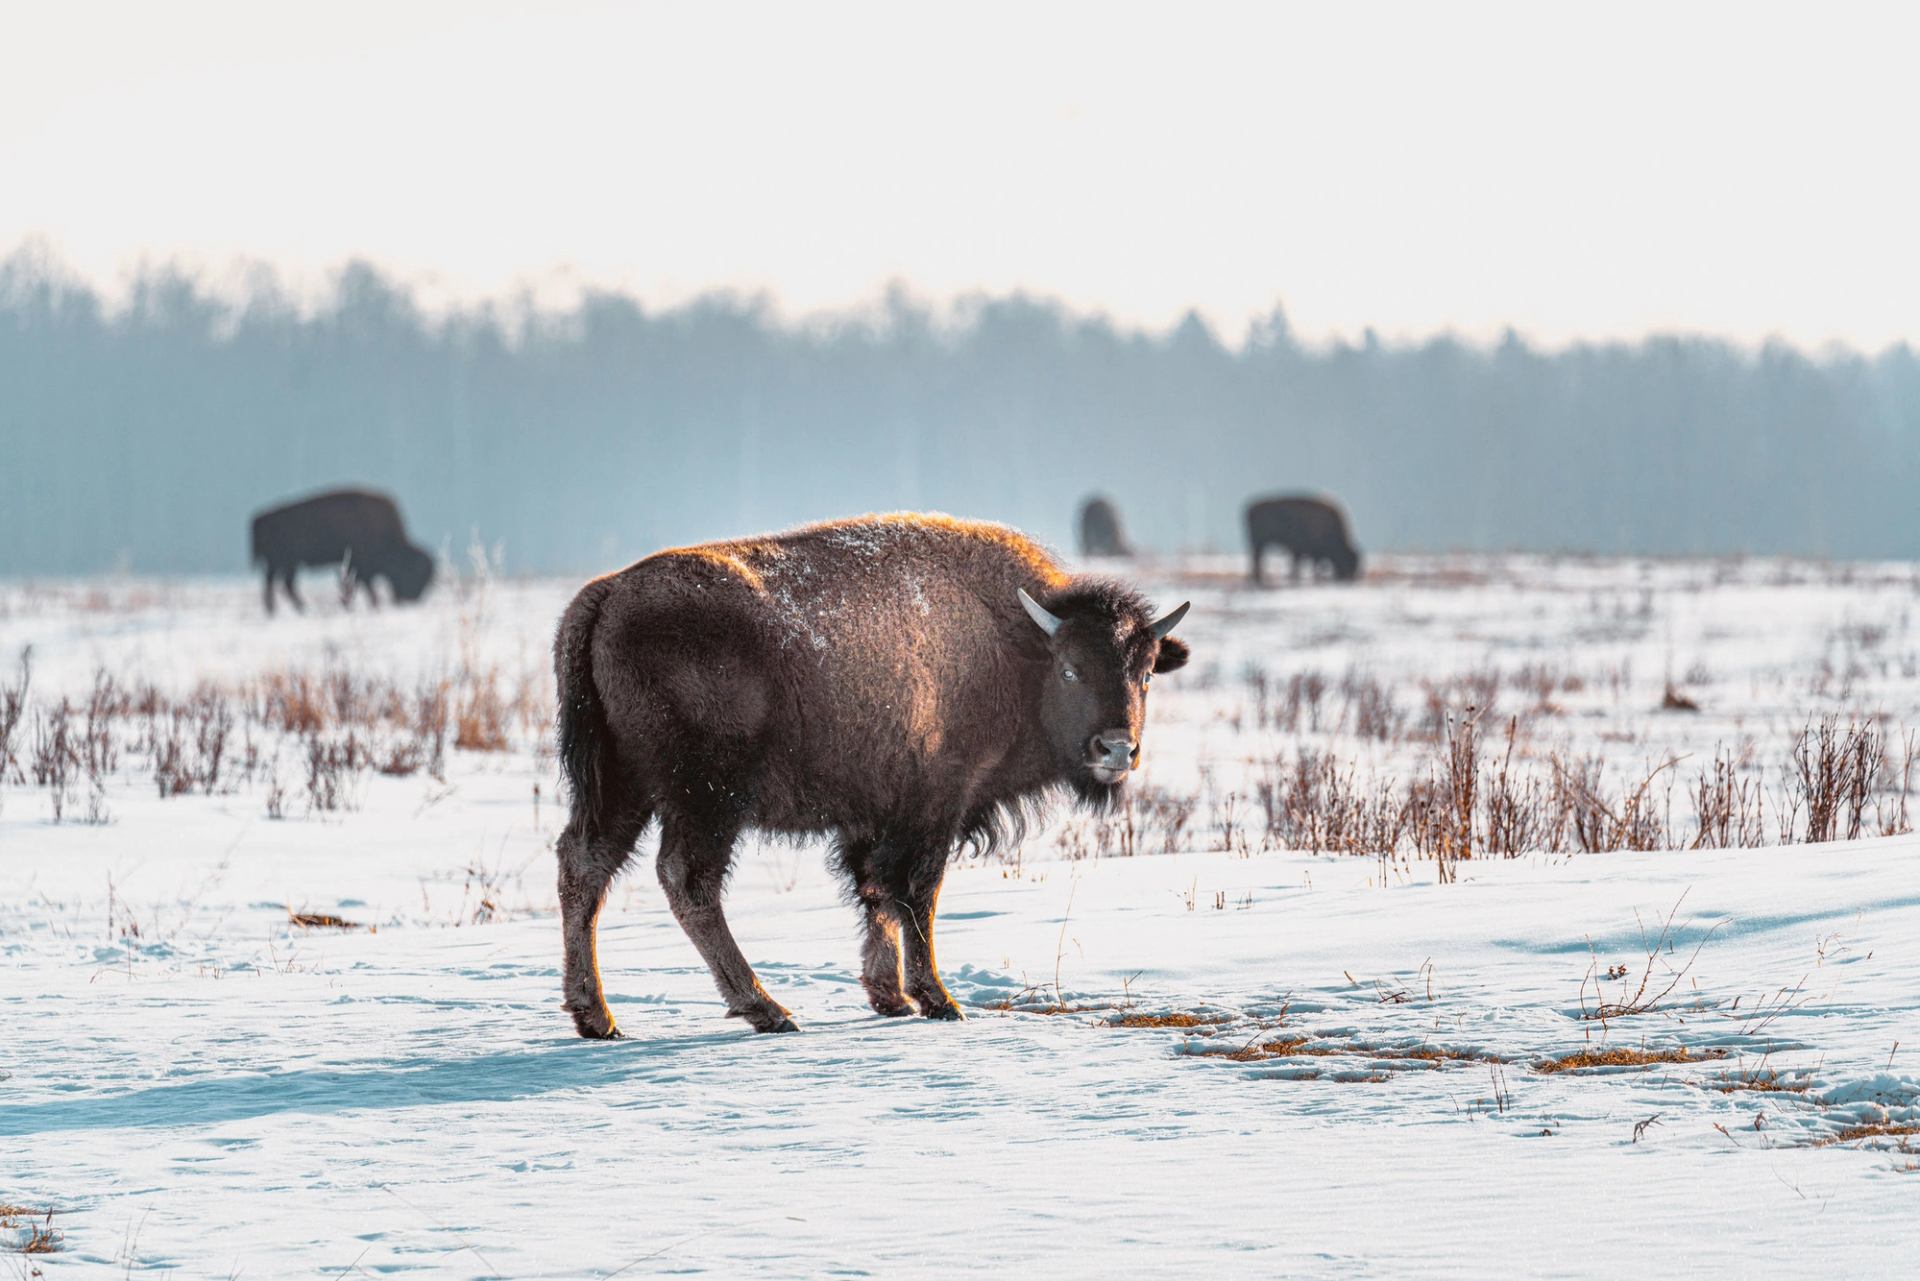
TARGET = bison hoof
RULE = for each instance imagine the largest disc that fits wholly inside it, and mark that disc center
(946, 1011)
(767, 1018)
(596, 1025)
(891, 1007)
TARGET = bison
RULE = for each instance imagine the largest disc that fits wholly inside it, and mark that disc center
(1100, 532)
(901, 684)
(357, 530)
(1313, 529)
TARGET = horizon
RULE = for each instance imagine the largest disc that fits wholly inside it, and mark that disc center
(242, 284)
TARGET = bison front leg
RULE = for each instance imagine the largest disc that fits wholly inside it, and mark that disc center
(917, 901)
(880, 966)
(880, 941)
(694, 857)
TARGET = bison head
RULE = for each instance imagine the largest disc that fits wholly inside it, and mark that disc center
(1103, 648)
(410, 572)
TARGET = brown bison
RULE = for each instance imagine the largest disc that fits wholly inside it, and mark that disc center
(1100, 532)
(901, 684)
(1313, 529)
(359, 531)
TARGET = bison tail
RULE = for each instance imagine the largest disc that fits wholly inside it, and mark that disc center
(582, 726)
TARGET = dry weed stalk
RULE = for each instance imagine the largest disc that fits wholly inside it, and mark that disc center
(1644, 998)
(1837, 772)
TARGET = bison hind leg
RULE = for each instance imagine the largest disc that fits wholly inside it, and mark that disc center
(589, 860)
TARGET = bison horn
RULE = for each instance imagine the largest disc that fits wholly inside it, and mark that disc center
(1048, 623)
(1167, 624)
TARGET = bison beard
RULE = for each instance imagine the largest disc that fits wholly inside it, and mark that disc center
(901, 684)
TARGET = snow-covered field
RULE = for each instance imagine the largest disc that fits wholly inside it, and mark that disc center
(1220, 1054)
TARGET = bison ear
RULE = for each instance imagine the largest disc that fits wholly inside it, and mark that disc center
(1172, 656)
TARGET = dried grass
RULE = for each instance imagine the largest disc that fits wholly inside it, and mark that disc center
(1178, 1019)
(1872, 1130)
(1621, 1056)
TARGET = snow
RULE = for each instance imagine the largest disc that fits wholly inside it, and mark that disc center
(193, 1083)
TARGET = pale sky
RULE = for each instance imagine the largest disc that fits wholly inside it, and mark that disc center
(1570, 170)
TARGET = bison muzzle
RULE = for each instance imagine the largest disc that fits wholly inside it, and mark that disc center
(902, 685)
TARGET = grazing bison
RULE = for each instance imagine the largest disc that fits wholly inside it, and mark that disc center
(359, 531)
(1100, 533)
(901, 684)
(1313, 529)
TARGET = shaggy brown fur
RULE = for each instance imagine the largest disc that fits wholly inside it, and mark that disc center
(875, 680)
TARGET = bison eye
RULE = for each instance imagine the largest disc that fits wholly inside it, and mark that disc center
(1146, 680)
(1068, 675)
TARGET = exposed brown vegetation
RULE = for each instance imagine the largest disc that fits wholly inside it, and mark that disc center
(1649, 994)
(320, 921)
(32, 1230)
(1014, 1005)
(480, 722)
(1838, 773)
(1466, 804)
(1303, 1046)
(1177, 1019)
(1674, 701)
(1760, 1081)
(13, 708)
(1901, 1131)
(1622, 1056)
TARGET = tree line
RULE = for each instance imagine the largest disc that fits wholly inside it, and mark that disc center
(143, 435)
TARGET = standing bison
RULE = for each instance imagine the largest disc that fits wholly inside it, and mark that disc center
(356, 530)
(1100, 532)
(901, 684)
(1313, 529)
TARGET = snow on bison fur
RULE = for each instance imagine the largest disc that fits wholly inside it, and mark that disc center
(902, 684)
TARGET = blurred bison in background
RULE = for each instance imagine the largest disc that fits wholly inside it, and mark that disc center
(1313, 529)
(1100, 533)
(357, 530)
